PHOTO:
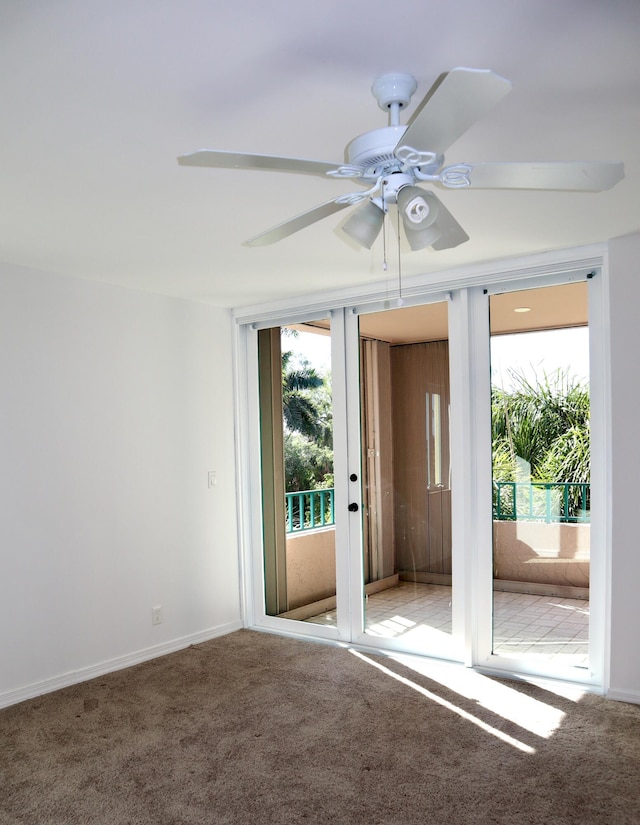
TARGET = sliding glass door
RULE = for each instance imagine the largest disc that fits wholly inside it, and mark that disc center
(406, 479)
(541, 474)
(296, 459)
(367, 556)
(424, 482)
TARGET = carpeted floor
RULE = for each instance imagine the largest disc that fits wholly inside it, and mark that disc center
(255, 728)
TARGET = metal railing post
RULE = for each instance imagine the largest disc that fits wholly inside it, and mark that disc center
(532, 508)
(309, 509)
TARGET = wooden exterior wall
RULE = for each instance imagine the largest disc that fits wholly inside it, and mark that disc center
(377, 460)
(421, 467)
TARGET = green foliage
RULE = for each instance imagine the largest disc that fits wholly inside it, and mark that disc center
(307, 464)
(568, 457)
(534, 421)
(308, 426)
(540, 430)
(503, 469)
(298, 402)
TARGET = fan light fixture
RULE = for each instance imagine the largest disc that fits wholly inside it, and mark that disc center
(419, 211)
(365, 224)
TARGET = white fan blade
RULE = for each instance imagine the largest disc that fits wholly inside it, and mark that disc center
(240, 160)
(455, 101)
(587, 176)
(283, 230)
(451, 233)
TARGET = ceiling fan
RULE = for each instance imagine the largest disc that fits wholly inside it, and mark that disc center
(391, 162)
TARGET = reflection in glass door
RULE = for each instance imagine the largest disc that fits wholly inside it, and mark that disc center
(404, 381)
(296, 458)
(541, 474)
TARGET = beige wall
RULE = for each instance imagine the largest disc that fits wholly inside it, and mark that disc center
(547, 554)
(311, 566)
(422, 516)
(555, 554)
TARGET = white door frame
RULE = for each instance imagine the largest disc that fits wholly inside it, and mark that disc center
(476, 512)
(468, 291)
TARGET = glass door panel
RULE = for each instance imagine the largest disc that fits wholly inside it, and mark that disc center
(404, 388)
(296, 445)
(541, 474)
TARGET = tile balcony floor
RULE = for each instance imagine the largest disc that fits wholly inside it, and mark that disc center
(540, 627)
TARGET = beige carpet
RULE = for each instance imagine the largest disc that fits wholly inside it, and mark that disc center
(254, 728)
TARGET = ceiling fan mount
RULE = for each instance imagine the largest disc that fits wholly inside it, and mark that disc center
(394, 91)
(394, 161)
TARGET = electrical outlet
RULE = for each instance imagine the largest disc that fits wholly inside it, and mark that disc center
(156, 614)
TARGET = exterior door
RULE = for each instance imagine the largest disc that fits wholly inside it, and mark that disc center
(412, 514)
(541, 474)
(405, 579)
(296, 467)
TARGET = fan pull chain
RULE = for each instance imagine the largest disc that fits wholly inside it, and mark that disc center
(384, 230)
(384, 244)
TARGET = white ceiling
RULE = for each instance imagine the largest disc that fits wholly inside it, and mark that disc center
(99, 98)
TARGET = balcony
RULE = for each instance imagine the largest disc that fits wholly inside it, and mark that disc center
(546, 628)
(538, 501)
(541, 552)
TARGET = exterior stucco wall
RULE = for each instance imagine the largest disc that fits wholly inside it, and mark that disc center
(311, 566)
(554, 554)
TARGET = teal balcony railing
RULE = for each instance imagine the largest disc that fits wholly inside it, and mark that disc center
(309, 509)
(567, 501)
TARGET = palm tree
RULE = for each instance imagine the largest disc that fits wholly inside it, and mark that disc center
(536, 417)
(308, 425)
(299, 407)
(543, 426)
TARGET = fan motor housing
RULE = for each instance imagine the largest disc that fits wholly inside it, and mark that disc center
(373, 151)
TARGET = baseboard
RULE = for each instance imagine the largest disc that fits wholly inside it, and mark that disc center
(631, 696)
(306, 611)
(426, 578)
(564, 591)
(561, 591)
(381, 584)
(74, 677)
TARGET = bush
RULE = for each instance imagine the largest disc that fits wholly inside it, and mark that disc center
(540, 431)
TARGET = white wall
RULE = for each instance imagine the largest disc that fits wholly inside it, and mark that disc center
(624, 294)
(114, 405)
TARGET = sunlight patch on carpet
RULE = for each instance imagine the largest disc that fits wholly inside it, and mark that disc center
(510, 740)
(537, 717)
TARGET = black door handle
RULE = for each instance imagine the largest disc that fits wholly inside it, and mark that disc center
(353, 507)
